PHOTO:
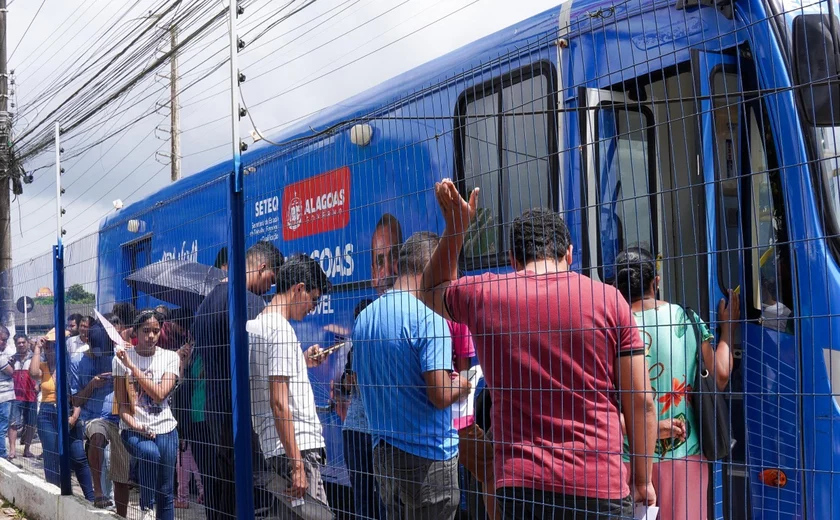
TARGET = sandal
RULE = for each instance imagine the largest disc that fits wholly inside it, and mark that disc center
(102, 503)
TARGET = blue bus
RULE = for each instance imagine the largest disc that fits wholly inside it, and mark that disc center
(703, 130)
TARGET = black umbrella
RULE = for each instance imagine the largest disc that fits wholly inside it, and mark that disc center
(179, 282)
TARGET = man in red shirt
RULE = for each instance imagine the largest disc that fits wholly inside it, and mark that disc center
(561, 354)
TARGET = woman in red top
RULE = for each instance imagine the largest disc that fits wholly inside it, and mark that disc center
(25, 407)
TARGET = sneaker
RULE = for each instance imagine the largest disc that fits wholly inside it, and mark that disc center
(147, 514)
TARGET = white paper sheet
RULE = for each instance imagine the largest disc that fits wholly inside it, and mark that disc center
(119, 343)
(643, 512)
(466, 407)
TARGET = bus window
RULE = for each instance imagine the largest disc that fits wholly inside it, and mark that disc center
(726, 104)
(481, 170)
(525, 148)
(136, 255)
(507, 148)
(625, 174)
(770, 270)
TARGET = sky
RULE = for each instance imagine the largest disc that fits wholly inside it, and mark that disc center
(322, 55)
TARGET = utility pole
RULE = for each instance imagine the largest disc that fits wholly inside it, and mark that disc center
(7, 316)
(175, 129)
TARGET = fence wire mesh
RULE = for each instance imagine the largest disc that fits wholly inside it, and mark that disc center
(638, 304)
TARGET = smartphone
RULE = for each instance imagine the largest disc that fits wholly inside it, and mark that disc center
(328, 351)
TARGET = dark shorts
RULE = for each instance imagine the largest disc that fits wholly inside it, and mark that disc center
(419, 488)
(314, 505)
(24, 413)
(517, 503)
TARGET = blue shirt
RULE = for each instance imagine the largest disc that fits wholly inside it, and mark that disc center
(83, 367)
(396, 339)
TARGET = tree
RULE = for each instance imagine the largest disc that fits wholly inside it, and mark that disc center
(77, 294)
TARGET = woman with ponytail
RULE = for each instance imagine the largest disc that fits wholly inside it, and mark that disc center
(680, 474)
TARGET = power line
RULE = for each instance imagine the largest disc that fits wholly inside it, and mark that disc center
(27, 29)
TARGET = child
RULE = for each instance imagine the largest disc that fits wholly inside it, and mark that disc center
(187, 468)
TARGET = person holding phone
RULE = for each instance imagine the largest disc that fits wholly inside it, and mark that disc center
(148, 429)
(95, 395)
(282, 402)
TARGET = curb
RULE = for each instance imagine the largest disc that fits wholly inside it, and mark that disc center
(42, 501)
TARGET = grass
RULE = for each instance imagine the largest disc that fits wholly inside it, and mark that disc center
(4, 510)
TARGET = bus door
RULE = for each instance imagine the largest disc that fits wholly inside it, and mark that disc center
(747, 234)
(619, 204)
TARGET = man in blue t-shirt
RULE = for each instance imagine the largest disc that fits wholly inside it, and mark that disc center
(92, 389)
(403, 363)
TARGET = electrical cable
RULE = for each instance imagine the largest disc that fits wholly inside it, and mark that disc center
(27, 29)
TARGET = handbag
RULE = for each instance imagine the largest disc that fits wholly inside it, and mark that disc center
(709, 405)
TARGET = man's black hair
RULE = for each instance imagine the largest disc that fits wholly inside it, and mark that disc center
(264, 252)
(416, 252)
(539, 234)
(126, 312)
(75, 317)
(221, 258)
(113, 319)
(303, 269)
(21, 335)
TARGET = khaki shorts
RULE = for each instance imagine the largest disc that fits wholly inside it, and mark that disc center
(475, 452)
(120, 459)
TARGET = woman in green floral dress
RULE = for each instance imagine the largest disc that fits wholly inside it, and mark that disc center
(680, 474)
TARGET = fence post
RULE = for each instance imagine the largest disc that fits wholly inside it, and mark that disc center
(62, 402)
(61, 384)
(240, 384)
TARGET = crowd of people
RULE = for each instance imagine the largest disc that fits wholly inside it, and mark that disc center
(568, 368)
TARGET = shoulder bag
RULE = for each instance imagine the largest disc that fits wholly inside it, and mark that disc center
(709, 405)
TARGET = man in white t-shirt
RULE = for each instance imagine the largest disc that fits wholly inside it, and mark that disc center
(282, 403)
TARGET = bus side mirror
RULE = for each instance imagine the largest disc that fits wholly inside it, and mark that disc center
(816, 58)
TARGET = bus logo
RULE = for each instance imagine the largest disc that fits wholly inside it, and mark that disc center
(317, 204)
(294, 216)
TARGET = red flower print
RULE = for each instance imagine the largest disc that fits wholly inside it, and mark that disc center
(681, 390)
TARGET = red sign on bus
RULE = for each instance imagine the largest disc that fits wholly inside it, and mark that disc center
(317, 204)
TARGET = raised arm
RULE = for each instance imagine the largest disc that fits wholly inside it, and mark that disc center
(719, 359)
(157, 391)
(35, 365)
(443, 266)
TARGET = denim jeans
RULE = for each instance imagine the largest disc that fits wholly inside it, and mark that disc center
(5, 417)
(358, 454)
(156, 460)
(48, 433)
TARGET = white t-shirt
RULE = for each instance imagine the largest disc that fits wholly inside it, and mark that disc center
(157, 416)
(75, 345)
(276, 351)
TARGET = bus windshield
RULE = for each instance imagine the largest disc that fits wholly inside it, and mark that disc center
(828, 139)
